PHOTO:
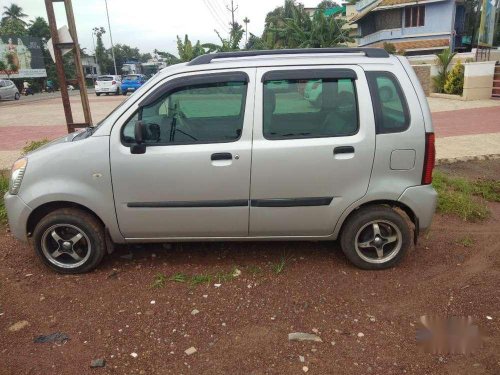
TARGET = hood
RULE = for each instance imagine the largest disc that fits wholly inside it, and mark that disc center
(78, 135)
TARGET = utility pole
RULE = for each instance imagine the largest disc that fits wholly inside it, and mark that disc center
(232, 10)
(246, 21)
(111, 38)
(95, 54)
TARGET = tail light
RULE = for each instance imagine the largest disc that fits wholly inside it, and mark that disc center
(429, 159)
(113, 82)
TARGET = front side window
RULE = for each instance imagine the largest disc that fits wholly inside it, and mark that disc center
(390, 107)
(309, 108)
(415, 16)
(204, 113)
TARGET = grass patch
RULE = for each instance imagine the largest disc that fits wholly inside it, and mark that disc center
(465, 198)
(466, 241)
(33, 145)
(179, 277)
(201, 279)
(159, 281)
(4, 186)
(280, 266)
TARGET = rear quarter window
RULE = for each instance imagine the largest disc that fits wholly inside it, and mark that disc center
(389, 103)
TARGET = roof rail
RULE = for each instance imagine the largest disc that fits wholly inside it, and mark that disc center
(368, 52)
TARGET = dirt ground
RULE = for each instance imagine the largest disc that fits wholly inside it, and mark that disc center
(367, 320)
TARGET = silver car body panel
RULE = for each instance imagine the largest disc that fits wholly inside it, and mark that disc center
(9, 91)
(98, 171)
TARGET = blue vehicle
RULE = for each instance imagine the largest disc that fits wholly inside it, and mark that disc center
(132, 82)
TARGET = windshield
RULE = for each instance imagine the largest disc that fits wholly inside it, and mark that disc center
(105, 78)
(132, 78)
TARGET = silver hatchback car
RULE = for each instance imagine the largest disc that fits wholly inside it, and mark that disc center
(221, 149)
(8, 91)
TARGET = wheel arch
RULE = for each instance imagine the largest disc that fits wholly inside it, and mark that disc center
(386, 202)
(41, 211)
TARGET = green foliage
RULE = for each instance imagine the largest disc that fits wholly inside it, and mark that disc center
(179, 277)
(465, 198)
(455, 81)
(466, 241)
(8, 68)
(187, 51)
(13, 12)
(39, 28)
(443, 61)
(390, 48)
(169, 58)
(33, 145)
(227, 44)
(4, 186)
(159, 281)
(13, 27)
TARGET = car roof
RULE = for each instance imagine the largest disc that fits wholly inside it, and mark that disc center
(345, 56)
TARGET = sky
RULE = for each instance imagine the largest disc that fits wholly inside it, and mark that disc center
(150, 24)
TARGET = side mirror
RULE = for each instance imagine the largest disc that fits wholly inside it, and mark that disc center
(140, 136)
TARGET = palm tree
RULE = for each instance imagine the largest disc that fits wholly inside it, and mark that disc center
(14, 12)
(227, 45)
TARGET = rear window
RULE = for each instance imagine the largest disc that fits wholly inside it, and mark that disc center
(390, 107)
(105, 78)
(132, 78)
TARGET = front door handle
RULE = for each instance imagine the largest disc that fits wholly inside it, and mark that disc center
(222, 156)
(343, 150)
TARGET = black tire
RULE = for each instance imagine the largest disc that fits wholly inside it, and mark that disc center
(124, 93)
(117, 91)
(98, 93)
(361, 223)
(17, 96)
(107, 94)
(84, 222)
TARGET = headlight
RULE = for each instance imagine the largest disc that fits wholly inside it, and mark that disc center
(16, 176)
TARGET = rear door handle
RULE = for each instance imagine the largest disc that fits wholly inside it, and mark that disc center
(222, 156)
(343, 150)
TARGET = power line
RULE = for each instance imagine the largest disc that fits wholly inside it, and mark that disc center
(214, 15)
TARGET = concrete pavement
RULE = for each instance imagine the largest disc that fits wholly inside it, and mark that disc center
(463, 129)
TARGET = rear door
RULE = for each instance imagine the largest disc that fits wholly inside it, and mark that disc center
(312, 150)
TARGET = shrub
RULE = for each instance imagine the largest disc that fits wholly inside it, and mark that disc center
(33, 145)
(390, 48)
(4, 186)
(455, 81)
(443, 60)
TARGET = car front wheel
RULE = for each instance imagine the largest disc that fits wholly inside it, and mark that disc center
(376, 237)
(70, 241)
(17, 96)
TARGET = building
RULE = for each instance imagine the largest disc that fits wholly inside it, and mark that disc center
(415, 27)
(90, 68)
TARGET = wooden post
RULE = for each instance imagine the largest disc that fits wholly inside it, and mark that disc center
(63, 81)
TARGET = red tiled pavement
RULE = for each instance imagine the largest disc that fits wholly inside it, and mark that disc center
(466, 121)
(446, 124)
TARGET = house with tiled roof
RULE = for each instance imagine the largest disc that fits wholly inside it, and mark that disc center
(415, 27)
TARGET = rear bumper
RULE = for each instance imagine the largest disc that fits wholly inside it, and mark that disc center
(423, 201)
(129, 88)
(101, 90)
(18, 213)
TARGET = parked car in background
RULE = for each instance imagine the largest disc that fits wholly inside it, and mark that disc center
(108, 84)
(216, 149)
(132, 82)
(8, 91)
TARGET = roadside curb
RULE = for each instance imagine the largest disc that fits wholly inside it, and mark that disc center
(441, 161)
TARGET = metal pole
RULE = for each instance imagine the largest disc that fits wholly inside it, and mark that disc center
(111, 37)
(95, 56)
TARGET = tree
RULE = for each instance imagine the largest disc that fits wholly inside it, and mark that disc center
(230, 44)
(186, 50)
(327, 4)
(169, 58)
(455, 81)
(14, 12)
(246, 21)
(39, 28)
(102, 56)
(12, 27)
(8, 68)
(145, 57)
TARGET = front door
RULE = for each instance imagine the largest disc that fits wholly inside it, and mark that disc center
(193, 180)
(313, 150)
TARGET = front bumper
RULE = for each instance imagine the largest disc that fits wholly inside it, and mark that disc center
(18, 213)
(423, 201)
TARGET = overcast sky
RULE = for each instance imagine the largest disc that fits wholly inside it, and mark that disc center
(150, 24)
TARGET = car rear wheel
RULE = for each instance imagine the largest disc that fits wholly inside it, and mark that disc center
(98, 93)
(70, 241)
(117, 92)
(16, 96)
(375, 237)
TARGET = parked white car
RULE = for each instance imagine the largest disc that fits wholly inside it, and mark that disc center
(8, 91)
(108, 84)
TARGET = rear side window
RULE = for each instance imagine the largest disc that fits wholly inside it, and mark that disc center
(389, 103)
(309, 108)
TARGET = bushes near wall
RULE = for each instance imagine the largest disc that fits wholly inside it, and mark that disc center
(455, 81)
